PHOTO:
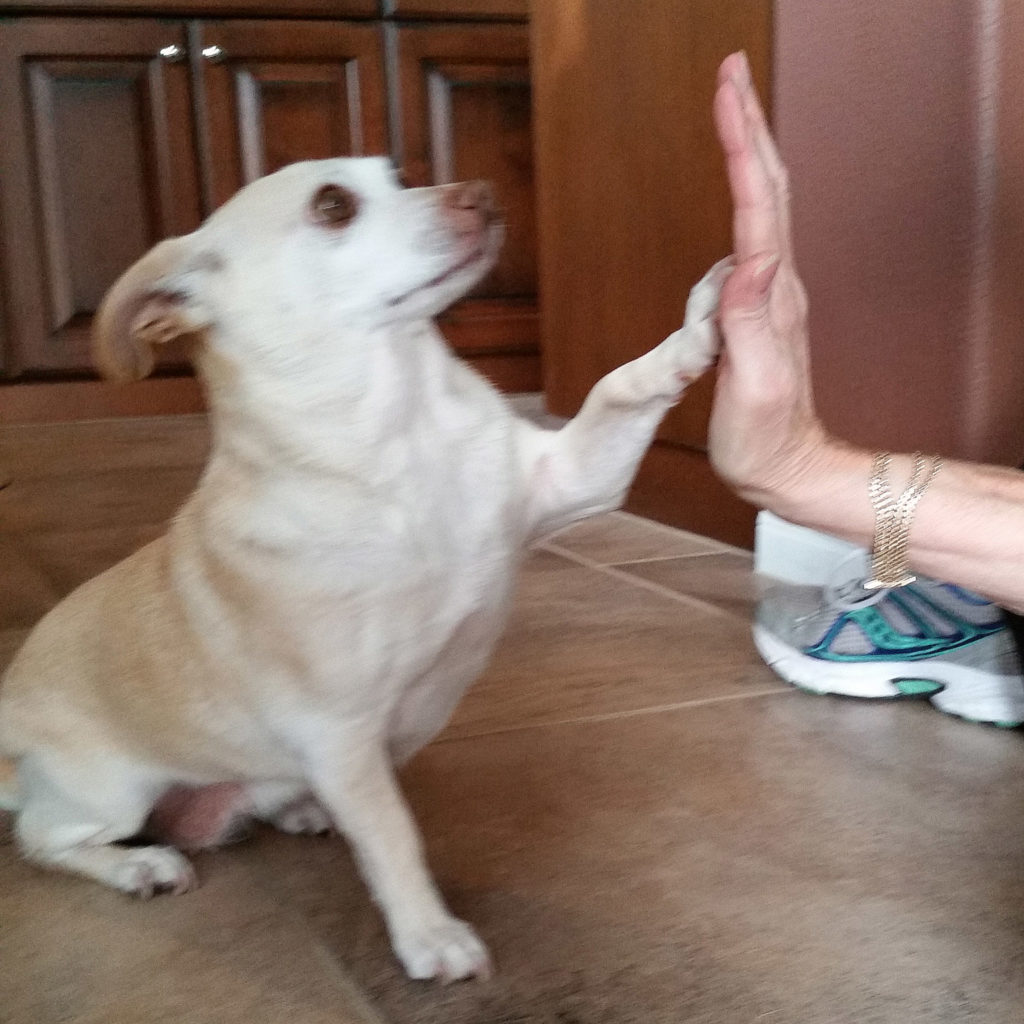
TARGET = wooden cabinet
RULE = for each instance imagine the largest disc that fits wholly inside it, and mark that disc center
(97, 164)
(465, 112)
(119, 131)
(278, 92)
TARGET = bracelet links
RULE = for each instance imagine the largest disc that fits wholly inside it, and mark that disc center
(893, 518)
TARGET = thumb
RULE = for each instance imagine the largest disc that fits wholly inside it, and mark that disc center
(745, 294)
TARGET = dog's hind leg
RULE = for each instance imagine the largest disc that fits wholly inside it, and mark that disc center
(71, 817)
(290, 807)
(207, 817)
(587, 466)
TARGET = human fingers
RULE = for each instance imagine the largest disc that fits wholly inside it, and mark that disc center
(755, 217)
(731, 66)
(744, 307)
(767, 149)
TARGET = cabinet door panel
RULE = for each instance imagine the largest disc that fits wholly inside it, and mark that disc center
(481, 129)
(466, 113)
(97, 166)
(80, 183)
(278, 92)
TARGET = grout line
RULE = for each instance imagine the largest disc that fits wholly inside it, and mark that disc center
(638, 561)
(644, 584)
(666, 558)
(611, 716)
(355, 995)
(675, 531)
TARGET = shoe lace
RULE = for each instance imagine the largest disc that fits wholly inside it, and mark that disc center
(844, 588)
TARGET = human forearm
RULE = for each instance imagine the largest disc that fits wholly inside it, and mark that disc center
(967, 529)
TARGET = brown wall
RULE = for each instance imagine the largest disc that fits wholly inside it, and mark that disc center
(897, 120)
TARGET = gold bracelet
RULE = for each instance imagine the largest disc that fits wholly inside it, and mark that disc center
(893, 518)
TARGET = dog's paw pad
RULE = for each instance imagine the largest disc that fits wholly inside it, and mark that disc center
(305, 817)
(147, 870)
(448, 951)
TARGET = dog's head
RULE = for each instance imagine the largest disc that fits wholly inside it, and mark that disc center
(298, 257)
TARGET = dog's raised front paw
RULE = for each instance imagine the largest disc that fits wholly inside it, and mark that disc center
(692, 349)
(147, 870)
(703, 301)
(448, 950)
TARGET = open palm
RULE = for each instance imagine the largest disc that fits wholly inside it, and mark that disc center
(763, 427)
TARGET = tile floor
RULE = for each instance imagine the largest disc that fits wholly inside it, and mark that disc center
(643, 824)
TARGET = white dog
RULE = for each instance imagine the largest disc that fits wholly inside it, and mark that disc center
(344, 568)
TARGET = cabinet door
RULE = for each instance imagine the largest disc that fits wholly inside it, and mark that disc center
(466, 113)
(96, 166)
(281, 91)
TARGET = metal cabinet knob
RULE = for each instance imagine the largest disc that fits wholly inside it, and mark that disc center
(214, 53)
(172, 53)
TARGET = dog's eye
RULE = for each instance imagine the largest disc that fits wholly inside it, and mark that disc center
(334, 206)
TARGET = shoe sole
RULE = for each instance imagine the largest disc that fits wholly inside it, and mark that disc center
(958, 690)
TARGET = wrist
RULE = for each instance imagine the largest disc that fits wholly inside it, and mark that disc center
(825, 480)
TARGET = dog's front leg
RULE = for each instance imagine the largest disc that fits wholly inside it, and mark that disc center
(588, 465)
(356, 782)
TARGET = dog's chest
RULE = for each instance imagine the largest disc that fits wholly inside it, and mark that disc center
(400, 562)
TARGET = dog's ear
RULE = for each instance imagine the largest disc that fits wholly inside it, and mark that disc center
(160, 298)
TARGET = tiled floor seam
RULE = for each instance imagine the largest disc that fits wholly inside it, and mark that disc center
(639, 581)
(676, 531)
(611, 716)
(357, 998)
(665, 558)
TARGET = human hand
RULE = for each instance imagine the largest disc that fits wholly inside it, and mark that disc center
(764, 434)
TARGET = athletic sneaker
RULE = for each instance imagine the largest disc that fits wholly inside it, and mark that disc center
(928, 640)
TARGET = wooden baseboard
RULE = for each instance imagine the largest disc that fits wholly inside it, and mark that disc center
(513, 373)
(677, 486)
(94, 400)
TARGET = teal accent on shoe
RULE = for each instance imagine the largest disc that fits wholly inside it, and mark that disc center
(892, 645)
(918, 687)
(928, 641)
